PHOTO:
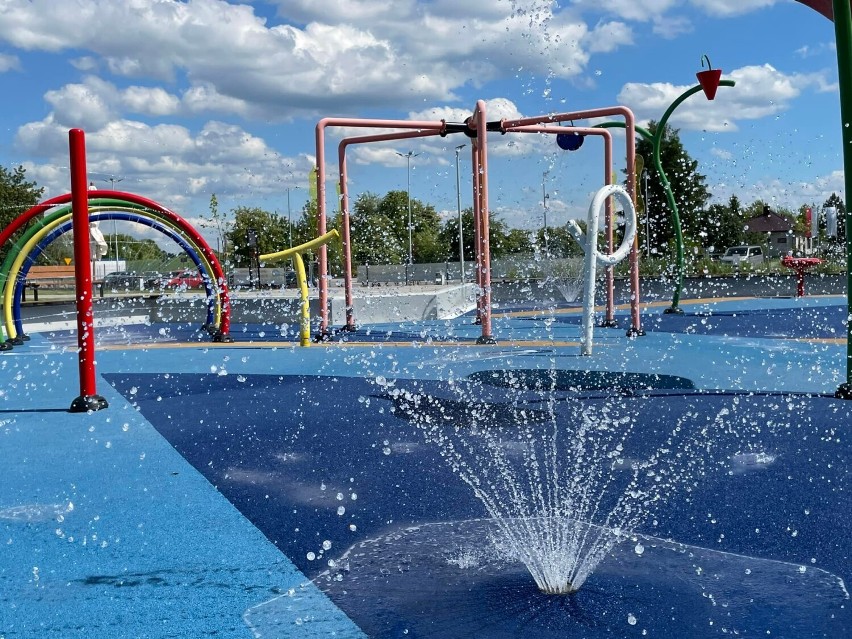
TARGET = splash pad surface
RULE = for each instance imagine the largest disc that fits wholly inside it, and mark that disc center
(218, 512)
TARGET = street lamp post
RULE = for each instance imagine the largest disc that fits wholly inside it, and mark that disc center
(289, 220)
(408, 156)
(458, 206)
(112, 182)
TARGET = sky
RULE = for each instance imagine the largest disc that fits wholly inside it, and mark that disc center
(184, 99)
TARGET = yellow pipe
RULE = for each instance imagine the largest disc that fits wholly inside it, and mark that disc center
(9, 290)
(307, 246)
(301, 278)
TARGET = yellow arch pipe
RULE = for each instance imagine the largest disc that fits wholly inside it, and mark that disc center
(9, 290)
(301, 278)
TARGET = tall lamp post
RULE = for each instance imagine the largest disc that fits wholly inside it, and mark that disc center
(408, 156)
(112, 182)
(289, 221)
(458, 206)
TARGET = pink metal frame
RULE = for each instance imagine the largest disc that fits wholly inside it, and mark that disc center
(477, 127)
(630, 152)
(408, 129)
(607, 136)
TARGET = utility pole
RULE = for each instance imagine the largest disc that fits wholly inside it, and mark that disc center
(289, 220)
(112, 182)
(458, 205)
(408, 156)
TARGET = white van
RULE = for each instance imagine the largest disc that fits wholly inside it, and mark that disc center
(737, 254)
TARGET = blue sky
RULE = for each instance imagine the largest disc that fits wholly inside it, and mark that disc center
(180, 100)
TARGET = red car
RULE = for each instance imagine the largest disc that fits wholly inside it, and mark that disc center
(184, 279)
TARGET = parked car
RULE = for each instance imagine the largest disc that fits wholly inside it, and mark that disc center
(184, 279)
(123, 281)
(739, 254)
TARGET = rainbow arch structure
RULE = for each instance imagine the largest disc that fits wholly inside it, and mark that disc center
(53, 218)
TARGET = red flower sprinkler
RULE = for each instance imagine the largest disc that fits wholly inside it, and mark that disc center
(709, 78)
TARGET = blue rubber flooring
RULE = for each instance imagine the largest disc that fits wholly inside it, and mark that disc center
(264, 490)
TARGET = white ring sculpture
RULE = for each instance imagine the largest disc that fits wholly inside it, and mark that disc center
(589, 242)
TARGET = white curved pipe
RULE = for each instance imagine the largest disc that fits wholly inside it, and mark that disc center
(589, 242)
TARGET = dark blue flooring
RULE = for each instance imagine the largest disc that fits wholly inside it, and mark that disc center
(319, 463)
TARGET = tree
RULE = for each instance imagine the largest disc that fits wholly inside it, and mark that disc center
(379, 229)
(16, 196)
(687, 185)
(834, 200)
(271, 228)
(218, 222)
(132, 249)
(449, 235)
(720, 227)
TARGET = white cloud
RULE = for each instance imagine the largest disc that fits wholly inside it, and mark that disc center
(9, 63)
(635, 10)
(760, 91)
(168, 163)
(150, 101)
(361, 53)
(86, 105)
(609, 36)
(729, 8)
(671, 27)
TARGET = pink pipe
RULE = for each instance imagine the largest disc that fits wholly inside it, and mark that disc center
(607, 136)
(484, 247)
(630, 149)
(477, 213)
(344, 195)
(321, 208)
(88, 399)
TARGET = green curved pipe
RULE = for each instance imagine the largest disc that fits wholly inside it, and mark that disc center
(656, 140)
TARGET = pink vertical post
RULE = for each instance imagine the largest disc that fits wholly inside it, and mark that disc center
(609, 318)
(630, 143)
(88, 400)
(484, 256)
(322, 252)
(477, 208)
(347, 241)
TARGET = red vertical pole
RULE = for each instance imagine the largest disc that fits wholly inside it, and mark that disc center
(88, 400)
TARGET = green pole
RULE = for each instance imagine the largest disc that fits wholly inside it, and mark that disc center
(843, 37)
(656, 142)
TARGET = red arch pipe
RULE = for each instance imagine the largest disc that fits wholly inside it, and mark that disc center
(222, 284)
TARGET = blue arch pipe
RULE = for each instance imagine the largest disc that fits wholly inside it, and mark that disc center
(113, 215)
